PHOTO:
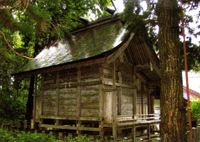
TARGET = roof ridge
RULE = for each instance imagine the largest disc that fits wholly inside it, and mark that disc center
(95, 23)
(195, 92)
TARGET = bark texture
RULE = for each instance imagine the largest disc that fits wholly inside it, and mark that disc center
(173, 122)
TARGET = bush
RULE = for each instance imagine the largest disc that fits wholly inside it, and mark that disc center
(195, 107)
(18, 136)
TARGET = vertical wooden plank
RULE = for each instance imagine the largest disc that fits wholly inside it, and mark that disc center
(134, 133)
(34, 99)
(42, 95)
(148, 132)
(142, 96)
(120, 94)
(134, 97)
(101, 103)
(78, 101)
(152, 104)
(57, 93)
(101, 93)
(114, 104)
(138, 106)
(149, 101)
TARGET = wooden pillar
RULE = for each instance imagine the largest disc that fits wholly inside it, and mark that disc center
(152, 103)
(57, 96)
(101, 103)
(149, 101)
(34, 99)
(79, 101)
(134, 97)
(148, 132)
(120, 93)
(57, 93)
(145, 97)
(133, 134)
(114, 103)
(138, 94)
(42, 97)
(142, 96)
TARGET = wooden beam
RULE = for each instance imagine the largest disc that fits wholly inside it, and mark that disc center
(116, 54)
(153, 58)
(141, 77)
(154, 84)
(144, 66)
(60, 67)
(110, 90)
(69, 127)
(69, 118)
(74, 84)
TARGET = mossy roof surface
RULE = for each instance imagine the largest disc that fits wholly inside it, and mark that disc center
(81, 45)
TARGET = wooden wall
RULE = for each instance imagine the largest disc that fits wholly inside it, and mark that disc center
(49, 94)
(99, 91)
(72, 93)
(126, 91)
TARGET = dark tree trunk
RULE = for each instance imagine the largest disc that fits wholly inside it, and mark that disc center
(29, 105)
(172, 103)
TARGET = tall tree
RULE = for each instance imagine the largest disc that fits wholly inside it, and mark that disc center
(172, 102)
(39, 24)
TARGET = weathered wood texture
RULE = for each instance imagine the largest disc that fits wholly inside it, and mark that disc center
(90, 101)
(93, 93)
(68, 87)
(127, 101)
(38, 107)
(90, 93)
(126, 97)
(68, 102)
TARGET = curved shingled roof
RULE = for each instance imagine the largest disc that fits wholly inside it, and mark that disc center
(98, 38)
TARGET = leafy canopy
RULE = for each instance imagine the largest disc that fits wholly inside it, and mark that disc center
(145, 24)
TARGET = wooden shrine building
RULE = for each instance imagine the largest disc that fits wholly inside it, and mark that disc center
(102, 80)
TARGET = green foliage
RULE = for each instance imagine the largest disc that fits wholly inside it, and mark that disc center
(195, 108)
(193, 56)
(143, 23)
(17, 136)
(79, 139)
(30, 26)
(12, 107)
